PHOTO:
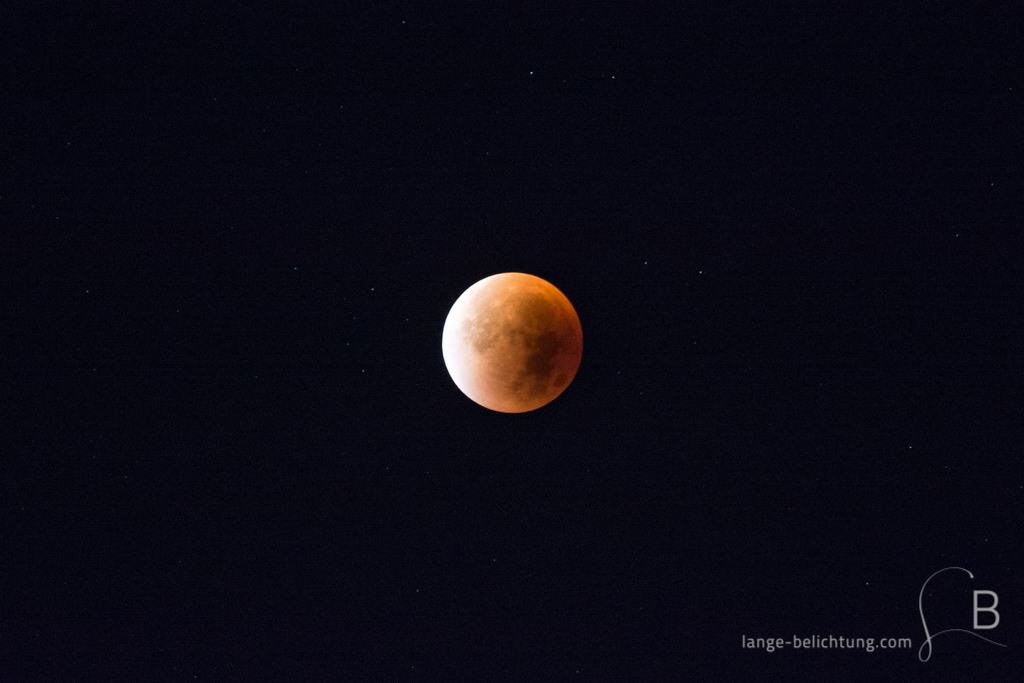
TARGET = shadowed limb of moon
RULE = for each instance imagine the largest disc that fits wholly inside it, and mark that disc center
(512, 342)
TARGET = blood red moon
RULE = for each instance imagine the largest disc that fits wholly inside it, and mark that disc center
(512, 342)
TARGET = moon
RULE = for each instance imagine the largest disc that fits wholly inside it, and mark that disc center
(512, 342)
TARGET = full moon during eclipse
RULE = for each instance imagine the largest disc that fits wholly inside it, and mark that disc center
(512, 342)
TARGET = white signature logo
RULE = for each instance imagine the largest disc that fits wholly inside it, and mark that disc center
(977, 626)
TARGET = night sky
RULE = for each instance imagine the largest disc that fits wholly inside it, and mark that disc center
(229, 238)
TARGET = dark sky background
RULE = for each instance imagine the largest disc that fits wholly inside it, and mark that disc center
(230, 238)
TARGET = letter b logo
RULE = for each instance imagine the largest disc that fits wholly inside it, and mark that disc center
(928, 637)
(991, 608)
